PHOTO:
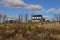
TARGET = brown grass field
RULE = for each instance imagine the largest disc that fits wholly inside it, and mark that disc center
(30, 31)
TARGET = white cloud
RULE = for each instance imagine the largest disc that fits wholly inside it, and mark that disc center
(58, 10)
(34, 7)
(53, 10)
(19, 4)
(13, 3)
(42, 11)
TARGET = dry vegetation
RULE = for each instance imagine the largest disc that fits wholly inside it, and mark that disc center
(30, 31)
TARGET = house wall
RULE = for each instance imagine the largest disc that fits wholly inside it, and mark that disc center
(35, 20)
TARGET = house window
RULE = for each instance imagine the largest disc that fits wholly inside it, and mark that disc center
(35, 17)
(32, 17)
(39, 17)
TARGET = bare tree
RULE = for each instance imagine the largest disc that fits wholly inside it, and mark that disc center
(26, 17)
(4, 18)
(57, 17)
(31, 16)
(19, 18)
(22, 17)
(0, 17)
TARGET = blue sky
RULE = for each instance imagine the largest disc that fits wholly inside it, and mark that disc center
(48, 7)
(45, 3)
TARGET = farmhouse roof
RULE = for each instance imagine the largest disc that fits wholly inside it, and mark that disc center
(37, 16)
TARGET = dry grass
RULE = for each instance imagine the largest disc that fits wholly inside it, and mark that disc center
(30, 31)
